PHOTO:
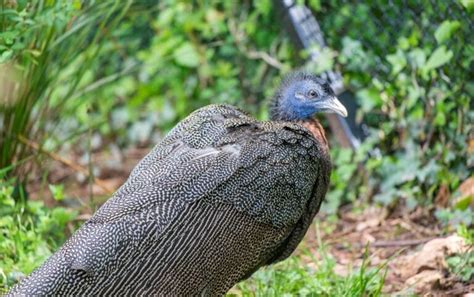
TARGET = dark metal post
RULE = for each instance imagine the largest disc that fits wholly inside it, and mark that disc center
(306, 33)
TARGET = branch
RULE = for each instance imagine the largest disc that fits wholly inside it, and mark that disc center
(255, 55)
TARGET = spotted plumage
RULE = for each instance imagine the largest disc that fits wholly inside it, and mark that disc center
(222, 195)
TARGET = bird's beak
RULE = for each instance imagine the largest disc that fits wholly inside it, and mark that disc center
(332, 104)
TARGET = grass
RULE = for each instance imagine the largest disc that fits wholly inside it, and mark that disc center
(29, 234)
(51, 48)
(292, 277)
(462, 264)
(297, 277)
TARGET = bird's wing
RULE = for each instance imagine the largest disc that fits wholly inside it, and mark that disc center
(282, 179)
(255, 217)
(184, 167)
(261, 174)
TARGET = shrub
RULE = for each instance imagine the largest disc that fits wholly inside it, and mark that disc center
(29, 234)
(47, 50)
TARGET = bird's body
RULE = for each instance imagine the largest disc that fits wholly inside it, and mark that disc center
(222, 195)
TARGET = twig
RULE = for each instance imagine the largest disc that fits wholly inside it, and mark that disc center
(392, 243)
(397, 243)
(99, 182)
(255, 55)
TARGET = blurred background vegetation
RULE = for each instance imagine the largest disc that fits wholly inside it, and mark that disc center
(77, 77)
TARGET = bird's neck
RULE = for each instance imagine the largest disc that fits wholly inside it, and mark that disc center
(317, 131)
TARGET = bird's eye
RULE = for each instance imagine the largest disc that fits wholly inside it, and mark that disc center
(312, 93)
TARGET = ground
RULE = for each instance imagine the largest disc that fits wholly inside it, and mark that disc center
(410, 244)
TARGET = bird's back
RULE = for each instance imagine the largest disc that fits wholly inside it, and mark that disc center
(219, 197)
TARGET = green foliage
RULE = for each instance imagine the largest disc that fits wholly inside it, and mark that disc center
(131, 69)
(409, 68)
(47, 48)
(29, 234)
(165, 60)
(467, 234)
(197, 53)
(294, 277)
(462, 265)
(57, 191)
(455, 217)
(341, 179)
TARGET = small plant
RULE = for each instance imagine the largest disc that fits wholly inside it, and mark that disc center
(47, 51)
(29, 234)
(410, 80)
(317, 277)
(462, 265)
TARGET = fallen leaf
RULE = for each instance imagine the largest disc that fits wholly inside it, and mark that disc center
(442, 198)
(467, 187)
(470, 145)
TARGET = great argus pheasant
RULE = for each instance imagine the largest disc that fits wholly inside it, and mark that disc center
(222, 195)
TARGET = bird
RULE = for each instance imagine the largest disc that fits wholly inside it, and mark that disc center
(221, 195)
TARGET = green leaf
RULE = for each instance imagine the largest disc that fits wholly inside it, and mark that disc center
(469, 4)
(9, 36)
(440, 119)
(446, 29)
(21, 4)
(5, 56)
(61, 216)
(6, 196)
(466, 233)
(76, 4)
(417, 57)
(438, 58)
(57, 191)
(369, 98)
(398, 61)
(186, 55)
(463, 202)
(214, 16)
(315, 4)
(263, 7)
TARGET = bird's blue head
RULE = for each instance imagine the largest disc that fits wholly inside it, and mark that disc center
(301, 96)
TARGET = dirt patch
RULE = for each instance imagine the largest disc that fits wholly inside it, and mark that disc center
(413, 252)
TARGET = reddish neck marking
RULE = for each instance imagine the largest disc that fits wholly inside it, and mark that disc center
(317, 131)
